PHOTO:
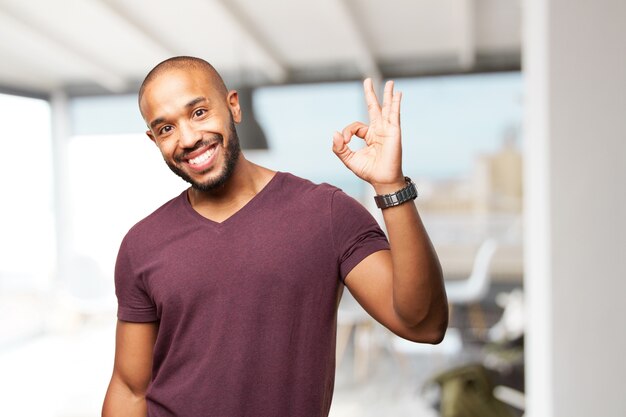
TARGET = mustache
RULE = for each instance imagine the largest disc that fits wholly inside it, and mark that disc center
(217, 138)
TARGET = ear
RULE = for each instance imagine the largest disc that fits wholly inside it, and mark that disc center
(233, 104)
(150, 135)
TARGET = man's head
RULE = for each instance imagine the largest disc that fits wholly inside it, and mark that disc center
(191, 117)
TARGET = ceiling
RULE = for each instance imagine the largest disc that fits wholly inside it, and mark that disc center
(107, 46)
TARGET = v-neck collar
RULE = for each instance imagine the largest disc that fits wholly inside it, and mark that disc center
(239, 213)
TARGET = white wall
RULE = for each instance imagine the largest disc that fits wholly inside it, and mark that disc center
(575, 74)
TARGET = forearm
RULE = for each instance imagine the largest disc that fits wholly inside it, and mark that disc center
(408, 295)
(418, 290)
(121, 401)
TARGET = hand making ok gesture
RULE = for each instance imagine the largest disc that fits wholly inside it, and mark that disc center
(380, 161)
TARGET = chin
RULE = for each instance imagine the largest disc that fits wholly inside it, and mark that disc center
(209, 185)
(212, 182)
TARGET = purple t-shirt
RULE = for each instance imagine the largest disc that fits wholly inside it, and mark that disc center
(247, 307)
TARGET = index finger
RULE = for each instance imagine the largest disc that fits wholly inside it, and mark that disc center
(373, 108)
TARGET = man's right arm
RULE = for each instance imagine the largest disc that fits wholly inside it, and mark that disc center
(134, 345)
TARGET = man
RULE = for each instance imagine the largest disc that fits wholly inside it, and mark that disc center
(228, 293)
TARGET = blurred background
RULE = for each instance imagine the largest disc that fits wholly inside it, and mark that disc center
(513, 129)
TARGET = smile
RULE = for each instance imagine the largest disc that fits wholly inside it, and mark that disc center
(203, 160)
(203, 157)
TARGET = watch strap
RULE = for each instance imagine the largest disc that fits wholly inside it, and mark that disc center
(408, 193)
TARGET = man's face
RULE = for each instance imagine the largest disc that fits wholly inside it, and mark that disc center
(193, 124)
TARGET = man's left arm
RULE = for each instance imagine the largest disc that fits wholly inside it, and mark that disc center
(403, 288)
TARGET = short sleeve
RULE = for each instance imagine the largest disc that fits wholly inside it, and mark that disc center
(133, 302)
(356, 234)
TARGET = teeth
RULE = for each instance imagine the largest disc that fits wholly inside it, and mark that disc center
(201, 158)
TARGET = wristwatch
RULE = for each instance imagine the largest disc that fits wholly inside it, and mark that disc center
(407, 193)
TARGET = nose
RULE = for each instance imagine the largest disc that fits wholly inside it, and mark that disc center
(188, 136)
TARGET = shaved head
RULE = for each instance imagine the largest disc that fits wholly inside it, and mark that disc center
(185, 63)
(190, 114)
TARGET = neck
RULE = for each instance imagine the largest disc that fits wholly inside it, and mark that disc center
(246, 181)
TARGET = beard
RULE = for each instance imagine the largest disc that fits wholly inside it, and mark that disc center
(231, 156)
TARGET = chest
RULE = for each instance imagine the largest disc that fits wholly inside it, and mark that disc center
(272, 263)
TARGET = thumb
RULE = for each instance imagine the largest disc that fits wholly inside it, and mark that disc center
(340, 147)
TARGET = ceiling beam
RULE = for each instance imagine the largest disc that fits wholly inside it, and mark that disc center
(467, 34)
(13, 91)
(97, 71)
(277, 71)
(365, 59)
(147, 31)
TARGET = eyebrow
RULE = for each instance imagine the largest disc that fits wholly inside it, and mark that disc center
(192, 103)
(196, 101)
(156, 121)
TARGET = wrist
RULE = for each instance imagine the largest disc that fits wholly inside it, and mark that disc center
(401, 194)
(389, 187)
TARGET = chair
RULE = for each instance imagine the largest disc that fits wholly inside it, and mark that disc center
(469, 291)
(474, 289)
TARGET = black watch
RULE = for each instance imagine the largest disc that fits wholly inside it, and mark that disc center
(407, 193)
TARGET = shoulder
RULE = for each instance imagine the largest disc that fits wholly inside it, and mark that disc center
(302, 187)
(325, 197)
(295, 197)
(152, 225)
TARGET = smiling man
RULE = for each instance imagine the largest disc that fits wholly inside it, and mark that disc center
(228, 293)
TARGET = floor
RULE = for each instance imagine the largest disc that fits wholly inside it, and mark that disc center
(66, 373)
(395, 382)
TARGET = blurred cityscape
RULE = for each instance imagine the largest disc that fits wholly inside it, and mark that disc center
(463, 212)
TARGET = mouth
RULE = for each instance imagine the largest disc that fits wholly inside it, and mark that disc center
(202, 159)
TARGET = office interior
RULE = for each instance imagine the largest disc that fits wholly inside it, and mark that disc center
(513, 130)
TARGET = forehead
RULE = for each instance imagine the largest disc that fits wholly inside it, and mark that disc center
(173, 88)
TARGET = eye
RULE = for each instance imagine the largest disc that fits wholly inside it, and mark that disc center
(165, 129)
(199, 112)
